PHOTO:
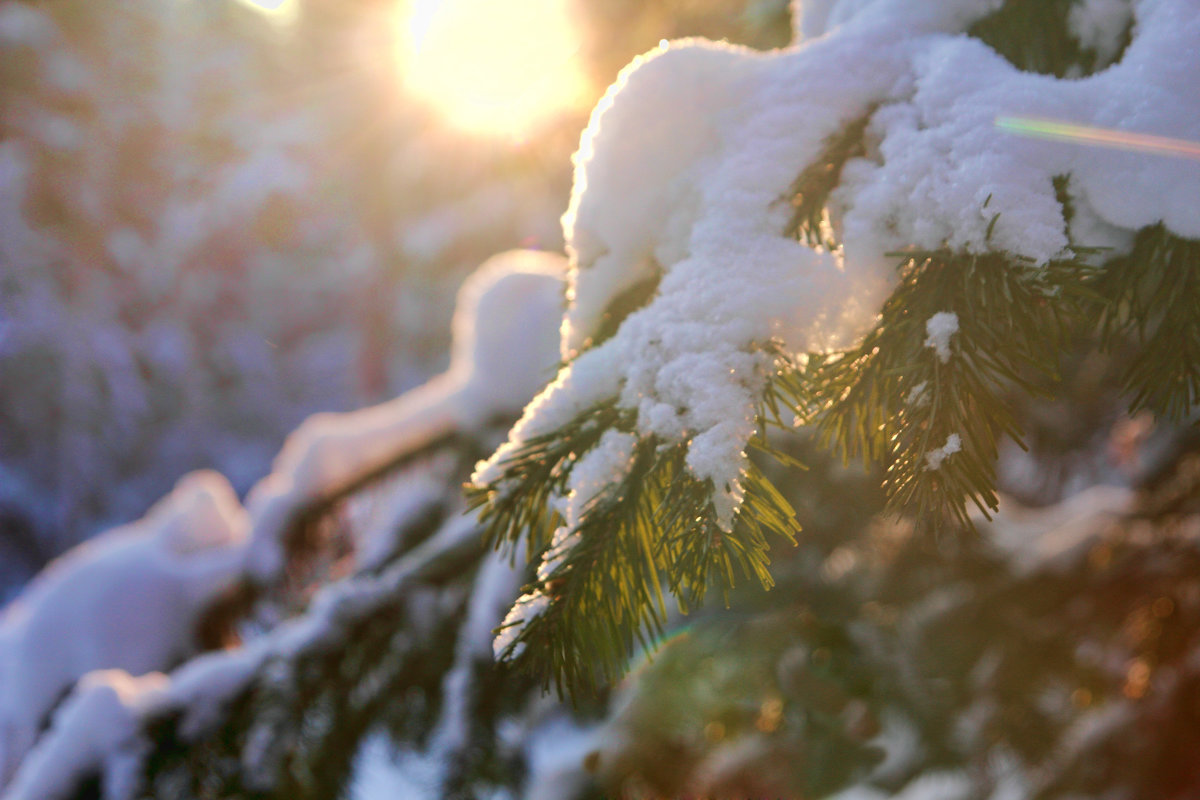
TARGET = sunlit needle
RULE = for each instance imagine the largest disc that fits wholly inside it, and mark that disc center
(1102, 137)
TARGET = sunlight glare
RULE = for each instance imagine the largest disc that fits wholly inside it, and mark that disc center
(494, 67)
(281, 10)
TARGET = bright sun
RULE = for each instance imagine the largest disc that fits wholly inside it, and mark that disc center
(282, 10)
(494, 66)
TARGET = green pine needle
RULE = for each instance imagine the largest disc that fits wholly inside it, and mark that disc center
(809, 193)
(656, 527)
(892, 400)
(1151, 297)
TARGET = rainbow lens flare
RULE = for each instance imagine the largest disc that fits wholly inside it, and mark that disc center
(1101, 137)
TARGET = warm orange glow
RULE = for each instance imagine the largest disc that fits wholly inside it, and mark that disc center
(494, 67)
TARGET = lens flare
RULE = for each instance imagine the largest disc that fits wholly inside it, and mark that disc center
(493, 67)
(1101, 137)
(642, 661)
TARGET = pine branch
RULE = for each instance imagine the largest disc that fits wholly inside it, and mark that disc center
(1152, 297)
(520, 503)
(934, 419)
(809, 194)
(656, 526)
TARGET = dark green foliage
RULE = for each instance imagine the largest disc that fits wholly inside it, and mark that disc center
(981, 659)
(309, 715)
(731, 678)
(657, 525)
(892, 400)
(809, 194)
(1151, 298)
(534, 475)
(1034, 35)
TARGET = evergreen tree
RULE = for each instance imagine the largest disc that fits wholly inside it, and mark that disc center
(798, 359)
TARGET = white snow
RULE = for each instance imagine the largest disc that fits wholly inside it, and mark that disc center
(127, 599)
(23, 25)
(1057, 536)
(528, 607)
(940, 329)
(99, 726)
(382, 772)
(556, 752)
(495, 586)
(686, 167)
(810, 18)
(381, 516)
(504, 350)
(935, 457)
(1098, 24)
(95, 730)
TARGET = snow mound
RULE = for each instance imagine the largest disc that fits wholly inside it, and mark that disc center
(94, 731)
(684, 175)
(128, 599)
(504, 349)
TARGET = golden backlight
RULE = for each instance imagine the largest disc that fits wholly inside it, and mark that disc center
(500, 67)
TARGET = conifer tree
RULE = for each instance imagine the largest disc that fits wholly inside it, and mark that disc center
(816, 297)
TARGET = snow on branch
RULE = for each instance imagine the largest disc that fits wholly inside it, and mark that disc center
(128, 599)
(128, 603)
(503, 351)
(686, 196)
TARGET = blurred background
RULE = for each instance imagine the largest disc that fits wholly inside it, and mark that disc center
(218, 217)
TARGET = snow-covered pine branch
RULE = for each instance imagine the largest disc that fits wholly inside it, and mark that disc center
(99, 664)
(738, 221)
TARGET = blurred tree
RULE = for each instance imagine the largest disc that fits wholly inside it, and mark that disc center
(926, 638)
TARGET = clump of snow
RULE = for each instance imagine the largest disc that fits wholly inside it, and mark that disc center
(95, 730)
(685, 173)
(504, 330)
(1098, 24)
(504, 350)
(100, 726)
(918, 395)
(127, 599)
(528, 607)
(1057, 536)
(940, 329)
(934, 458)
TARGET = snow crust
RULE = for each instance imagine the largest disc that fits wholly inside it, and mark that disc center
(96, 727)
(686, 168)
